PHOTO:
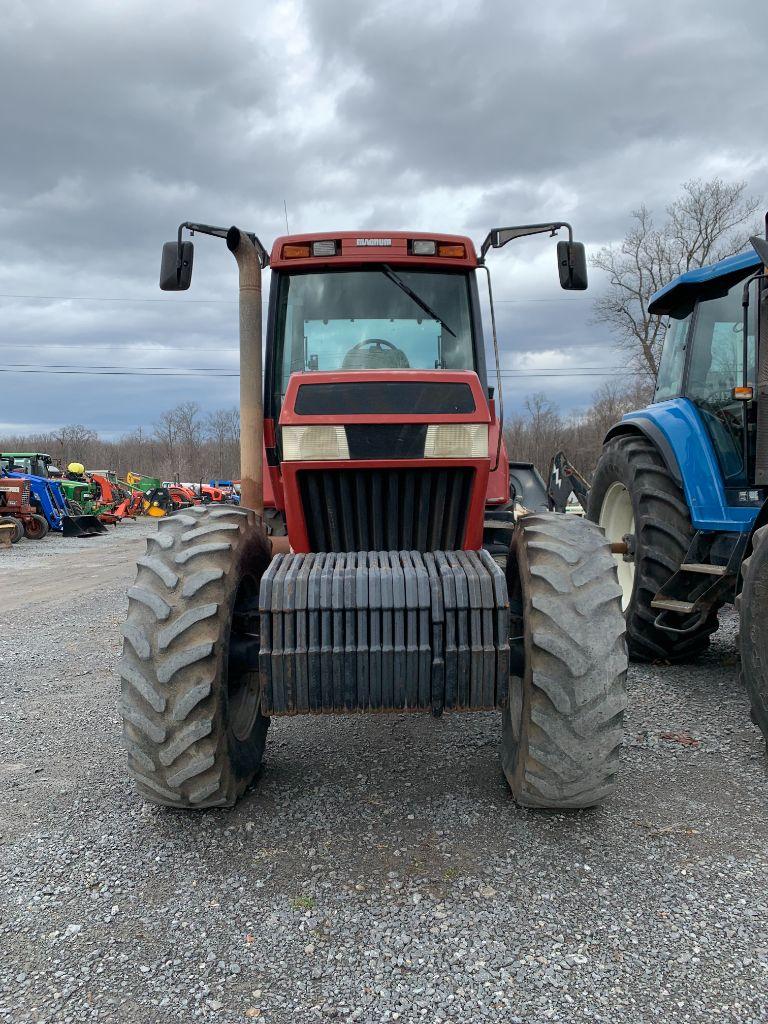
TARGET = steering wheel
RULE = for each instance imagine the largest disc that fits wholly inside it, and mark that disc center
(375, 353)
(378, 342)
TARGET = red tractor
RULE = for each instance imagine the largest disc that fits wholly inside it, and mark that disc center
(384, 456)
(16, 506)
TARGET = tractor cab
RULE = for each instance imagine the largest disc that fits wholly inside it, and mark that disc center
(709, 359)
(376, 377)
(32, 463)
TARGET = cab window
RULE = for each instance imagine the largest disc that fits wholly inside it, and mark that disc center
(669, 382)
(717, 366)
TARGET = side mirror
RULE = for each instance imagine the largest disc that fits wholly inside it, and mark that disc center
(572, 265)
(175, 274)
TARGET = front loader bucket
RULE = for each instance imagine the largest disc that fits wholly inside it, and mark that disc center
(81, 526)
(90, 525)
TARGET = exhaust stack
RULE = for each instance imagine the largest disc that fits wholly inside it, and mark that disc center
(251, 400)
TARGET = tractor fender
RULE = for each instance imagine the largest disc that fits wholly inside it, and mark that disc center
(676, 429)
(645, 426)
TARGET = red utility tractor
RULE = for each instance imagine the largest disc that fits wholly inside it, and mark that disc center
(15, 502)
(381, 442)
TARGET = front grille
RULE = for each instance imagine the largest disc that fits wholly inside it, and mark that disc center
(422, 509)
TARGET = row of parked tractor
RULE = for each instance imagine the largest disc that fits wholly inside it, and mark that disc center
(37, 498)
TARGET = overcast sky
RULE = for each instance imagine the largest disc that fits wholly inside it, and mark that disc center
(120, 120)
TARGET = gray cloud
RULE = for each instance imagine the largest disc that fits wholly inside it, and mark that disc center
(122, 120)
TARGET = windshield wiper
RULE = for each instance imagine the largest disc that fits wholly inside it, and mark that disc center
(389, 272)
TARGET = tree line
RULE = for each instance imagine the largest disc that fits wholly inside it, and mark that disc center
(183, 444)
(186, 444)
(540, 429)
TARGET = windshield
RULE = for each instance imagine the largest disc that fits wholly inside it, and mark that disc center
(366, 320)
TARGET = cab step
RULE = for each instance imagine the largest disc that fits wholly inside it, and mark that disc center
(705, 567)
(667, 604)
(699, 585)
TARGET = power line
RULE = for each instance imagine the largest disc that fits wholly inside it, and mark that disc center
(113, 366)
(223, 374)
(212, 369)
(105, 298)
(226, 302)
(119, 373)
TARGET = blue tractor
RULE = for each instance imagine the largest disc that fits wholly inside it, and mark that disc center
(681, 487)
(53, 512)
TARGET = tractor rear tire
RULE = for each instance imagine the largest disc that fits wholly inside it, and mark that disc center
(753, 605)
(18, 532)
(36, 527)
(662, 531)
(190, 702)
(563, 726)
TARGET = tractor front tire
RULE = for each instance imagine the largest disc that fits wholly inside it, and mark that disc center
(563, 726)
(191, 700)
(36, 527)
(18, 531)
(753, 637)
(632, 473)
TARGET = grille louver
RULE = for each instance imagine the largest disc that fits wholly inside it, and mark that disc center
(386, 510)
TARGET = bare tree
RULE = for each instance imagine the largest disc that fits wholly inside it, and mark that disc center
(190, 435)
(167, 437)
(537, 434)
(75, 443)
(223, 431)
(707, 222)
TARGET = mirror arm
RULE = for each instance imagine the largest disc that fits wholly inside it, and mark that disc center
(522, 231)
(207, 229)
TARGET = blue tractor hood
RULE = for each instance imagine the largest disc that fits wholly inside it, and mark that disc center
(690, 284)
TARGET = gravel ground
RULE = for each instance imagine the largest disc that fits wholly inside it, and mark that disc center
(54, 545)
(379, 869)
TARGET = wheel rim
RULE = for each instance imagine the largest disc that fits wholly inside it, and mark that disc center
(34, 530)
(617, 519)
(243, 692)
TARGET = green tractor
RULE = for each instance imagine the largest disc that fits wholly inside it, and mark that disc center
(81, 496)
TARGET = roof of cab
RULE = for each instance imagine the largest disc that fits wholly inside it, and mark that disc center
(683, 287)
(357, 247)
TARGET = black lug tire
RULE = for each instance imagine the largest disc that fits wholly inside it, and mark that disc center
(178, 731)
(663, 534)
(562, 731)
(74, 508)
(36, 527)
(18, 532)
(753, 636)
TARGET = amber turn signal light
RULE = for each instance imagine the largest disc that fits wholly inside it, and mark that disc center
(743, 394)
(456, 252)
(295, 252)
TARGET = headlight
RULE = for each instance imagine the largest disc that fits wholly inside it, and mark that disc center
(314, 444)
(456, 441)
